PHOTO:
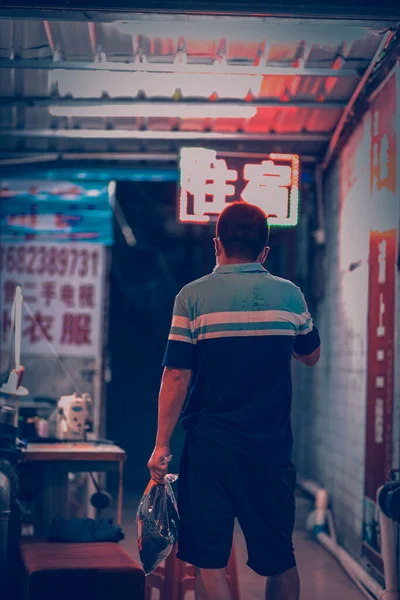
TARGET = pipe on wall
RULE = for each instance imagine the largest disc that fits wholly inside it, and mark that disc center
(389, 555)
(319, 515)
(320, 518)
(350, 565)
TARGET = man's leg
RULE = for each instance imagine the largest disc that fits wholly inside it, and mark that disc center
(199, 591)
(285, 586)
(211, 584)
(207, 515)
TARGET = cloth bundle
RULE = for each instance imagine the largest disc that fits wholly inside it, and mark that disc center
(85, 530)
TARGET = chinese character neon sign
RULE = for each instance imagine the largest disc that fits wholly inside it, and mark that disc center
(209, 182)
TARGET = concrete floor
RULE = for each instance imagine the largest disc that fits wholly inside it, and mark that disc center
(322, 578)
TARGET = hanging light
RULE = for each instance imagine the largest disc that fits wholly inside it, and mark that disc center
(148, 109)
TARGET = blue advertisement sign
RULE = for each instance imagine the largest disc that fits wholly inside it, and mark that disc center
(59, 211)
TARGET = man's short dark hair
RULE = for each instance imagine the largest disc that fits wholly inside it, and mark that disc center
(243, 230)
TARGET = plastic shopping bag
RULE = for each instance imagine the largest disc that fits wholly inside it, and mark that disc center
(158, 522)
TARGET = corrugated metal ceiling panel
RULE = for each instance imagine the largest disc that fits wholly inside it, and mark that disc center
(116, 45)
(72, 40)
(36, 117)
(93, 42)
(33, 83)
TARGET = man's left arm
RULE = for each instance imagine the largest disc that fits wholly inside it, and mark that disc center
(307, 343)
(178, 365)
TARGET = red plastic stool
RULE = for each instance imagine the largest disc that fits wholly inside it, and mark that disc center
(174, 579)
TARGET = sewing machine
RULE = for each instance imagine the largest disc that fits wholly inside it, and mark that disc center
(73, 417)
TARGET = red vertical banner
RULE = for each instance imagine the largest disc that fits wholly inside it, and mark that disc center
(381, 312)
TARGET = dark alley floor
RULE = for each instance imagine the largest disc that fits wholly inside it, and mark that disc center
(322, 578)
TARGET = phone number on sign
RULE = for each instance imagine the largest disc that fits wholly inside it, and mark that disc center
(49, 260)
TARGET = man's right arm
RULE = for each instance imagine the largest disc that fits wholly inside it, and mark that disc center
(307, 343)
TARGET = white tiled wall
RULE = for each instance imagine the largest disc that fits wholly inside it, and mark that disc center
(329, 401)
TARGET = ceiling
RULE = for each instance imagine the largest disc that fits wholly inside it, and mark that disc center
(156, 82)
(111, 10)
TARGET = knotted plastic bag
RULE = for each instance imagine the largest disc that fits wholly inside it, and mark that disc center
(158, 522)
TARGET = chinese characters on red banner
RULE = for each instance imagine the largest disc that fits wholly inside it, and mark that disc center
(381, 327)
(381, 311)
(62, 289)
(209, 183)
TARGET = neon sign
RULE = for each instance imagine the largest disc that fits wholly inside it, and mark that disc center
(209, 181)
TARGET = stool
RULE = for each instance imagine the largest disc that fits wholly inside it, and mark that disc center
(58, 571)
(174, 579)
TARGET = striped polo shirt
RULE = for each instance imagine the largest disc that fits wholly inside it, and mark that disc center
(236, 329)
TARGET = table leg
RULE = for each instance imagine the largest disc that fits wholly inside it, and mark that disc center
(120, 492)
(54, 500)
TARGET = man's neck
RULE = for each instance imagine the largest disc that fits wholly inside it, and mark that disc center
(235, 261)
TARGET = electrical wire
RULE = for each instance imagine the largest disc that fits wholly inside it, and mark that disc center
(52, 349)
(96, 485)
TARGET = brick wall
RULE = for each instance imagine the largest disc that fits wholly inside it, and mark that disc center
(329, 401)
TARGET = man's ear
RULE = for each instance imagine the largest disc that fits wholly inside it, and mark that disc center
(264, 255)
(217, 247)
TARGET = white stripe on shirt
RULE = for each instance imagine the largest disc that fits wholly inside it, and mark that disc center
(249, 316)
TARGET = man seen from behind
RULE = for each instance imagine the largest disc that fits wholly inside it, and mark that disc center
(227, 373)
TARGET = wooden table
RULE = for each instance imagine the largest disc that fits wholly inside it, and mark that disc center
(57, 460)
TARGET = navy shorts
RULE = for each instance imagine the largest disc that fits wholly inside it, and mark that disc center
(218, 484)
